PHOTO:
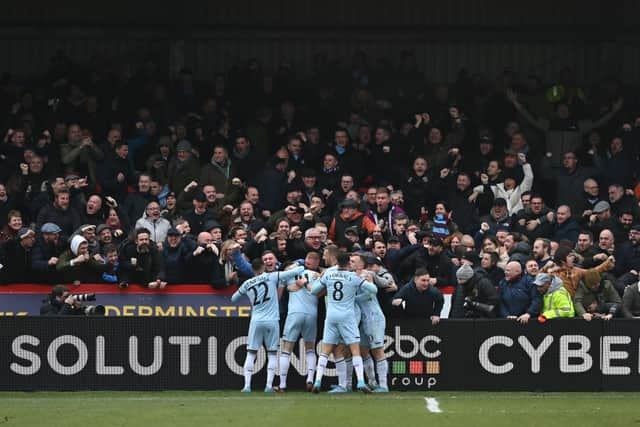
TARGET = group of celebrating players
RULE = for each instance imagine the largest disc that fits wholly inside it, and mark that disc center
(354, 327)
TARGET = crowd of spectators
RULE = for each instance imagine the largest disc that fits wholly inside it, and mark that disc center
(523, 195)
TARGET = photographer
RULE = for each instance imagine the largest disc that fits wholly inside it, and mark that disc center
(61, 303)
(475, 296)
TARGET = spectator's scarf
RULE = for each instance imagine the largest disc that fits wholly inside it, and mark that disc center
(225, 168)
(440, 226)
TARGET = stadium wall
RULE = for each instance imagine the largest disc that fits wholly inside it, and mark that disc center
(199, 354)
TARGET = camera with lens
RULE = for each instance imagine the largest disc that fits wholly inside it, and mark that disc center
(90, 310)
(478, 308)
(84, 297)
(94, 310)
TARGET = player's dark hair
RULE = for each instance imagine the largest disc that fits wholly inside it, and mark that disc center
(343, 259)
(257, 265)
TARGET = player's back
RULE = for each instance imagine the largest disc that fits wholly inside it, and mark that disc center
(262, 291)
(368, 303)
(303, 301)
(341, 286)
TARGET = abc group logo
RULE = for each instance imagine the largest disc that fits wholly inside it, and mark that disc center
(419, 363)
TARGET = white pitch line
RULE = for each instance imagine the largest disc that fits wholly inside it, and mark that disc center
(433, 405)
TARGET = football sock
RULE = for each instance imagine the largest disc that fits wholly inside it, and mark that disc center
(285, 361)
(272, 362)
(369, 369)
(322, 364)
(341, 370)
(383, 370)
(248, 369)
(311, 364)
(357, 366)
(349, 363)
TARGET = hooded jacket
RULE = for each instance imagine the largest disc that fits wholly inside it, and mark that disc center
(557, 302)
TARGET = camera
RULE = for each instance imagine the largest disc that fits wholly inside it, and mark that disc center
(94, 310)
(478, 307)
(84, 297)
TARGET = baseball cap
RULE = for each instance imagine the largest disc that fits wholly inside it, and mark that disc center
(542, 279)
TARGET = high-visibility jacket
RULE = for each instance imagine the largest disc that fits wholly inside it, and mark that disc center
(557, 301)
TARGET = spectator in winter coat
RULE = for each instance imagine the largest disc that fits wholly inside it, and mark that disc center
(596, 297)
(156, 224)
(219, 171)
(141, 262)
(60, 213)
(419, 298)
(136, 202)
(116, 174)
(417, 189)
(183, 168)
(177, 252)
(17, 257)
(475, 295)
(519, 299)
(510, 190)
(77, 264)
(556, 301)
(46, 252)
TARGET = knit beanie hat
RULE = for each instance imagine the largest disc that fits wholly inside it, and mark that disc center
(76, 242)
(464, 273)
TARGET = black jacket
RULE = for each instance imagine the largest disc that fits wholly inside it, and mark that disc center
(479, 289)
(439, 266)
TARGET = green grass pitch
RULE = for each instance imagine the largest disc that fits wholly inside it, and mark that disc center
(171, 408)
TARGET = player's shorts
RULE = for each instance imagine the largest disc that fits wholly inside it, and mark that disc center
(267, 332)
(372, 333)
(344, 331)
(300, 324)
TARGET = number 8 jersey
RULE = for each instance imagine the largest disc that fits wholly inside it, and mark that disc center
(341, 286)
(262, 291)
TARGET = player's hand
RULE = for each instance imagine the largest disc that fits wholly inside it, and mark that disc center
(435, 320)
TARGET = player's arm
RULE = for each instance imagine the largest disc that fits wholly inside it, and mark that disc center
(239, 293)
(285, 276)
(368, 287)
(317, 286)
